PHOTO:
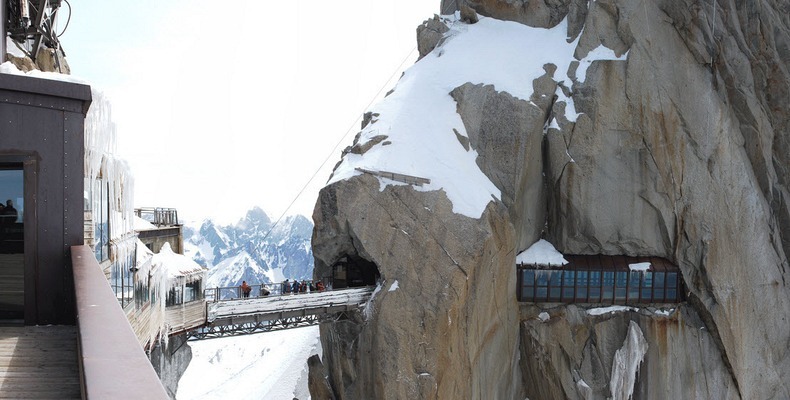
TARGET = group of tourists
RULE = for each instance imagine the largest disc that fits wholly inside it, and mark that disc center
(301, 287)
(288, 287)
(246, 289)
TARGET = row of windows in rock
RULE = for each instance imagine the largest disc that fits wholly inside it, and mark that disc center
(599, 286)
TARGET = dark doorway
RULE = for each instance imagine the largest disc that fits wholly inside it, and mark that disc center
(12, 244)
(353, 271)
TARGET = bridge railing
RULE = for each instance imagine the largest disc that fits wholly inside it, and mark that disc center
(258, 290)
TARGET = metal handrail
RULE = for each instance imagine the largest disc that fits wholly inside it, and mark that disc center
(159, 216)
(215, 294)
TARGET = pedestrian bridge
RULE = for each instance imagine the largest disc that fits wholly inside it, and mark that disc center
(242, 316)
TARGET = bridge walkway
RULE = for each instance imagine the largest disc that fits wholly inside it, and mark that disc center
(262, 314)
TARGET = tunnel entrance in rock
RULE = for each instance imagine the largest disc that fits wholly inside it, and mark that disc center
(354, 271)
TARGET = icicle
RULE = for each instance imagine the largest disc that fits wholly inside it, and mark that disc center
(626, 363)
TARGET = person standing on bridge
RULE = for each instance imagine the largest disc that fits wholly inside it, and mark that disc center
(245, 289)
(295, 287)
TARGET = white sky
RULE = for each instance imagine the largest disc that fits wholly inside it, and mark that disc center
(220, 108)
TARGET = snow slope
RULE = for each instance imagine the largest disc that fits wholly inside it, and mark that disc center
(269, 365)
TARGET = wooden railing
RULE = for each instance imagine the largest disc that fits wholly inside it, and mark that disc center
(112, 363)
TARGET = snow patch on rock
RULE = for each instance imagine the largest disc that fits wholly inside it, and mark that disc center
(610, 309)
(420, 117)
(541, 253)
(643, 266)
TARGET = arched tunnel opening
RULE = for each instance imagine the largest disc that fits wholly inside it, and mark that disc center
(354, 271)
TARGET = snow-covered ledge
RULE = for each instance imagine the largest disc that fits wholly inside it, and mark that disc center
(112, 363)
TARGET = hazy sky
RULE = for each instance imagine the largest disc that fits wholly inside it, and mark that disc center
(221, 106)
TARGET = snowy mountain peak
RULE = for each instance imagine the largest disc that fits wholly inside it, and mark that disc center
(255, 217)
(244, 252)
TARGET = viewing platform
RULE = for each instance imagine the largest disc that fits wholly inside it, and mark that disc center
(603, 280)
(39, 362)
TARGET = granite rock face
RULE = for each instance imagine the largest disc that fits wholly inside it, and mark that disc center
(573, 355)
(450, 319)
(171, 361)
(681, 151)
(507, 134)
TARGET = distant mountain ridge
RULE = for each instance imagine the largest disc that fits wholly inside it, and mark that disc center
(243, 252)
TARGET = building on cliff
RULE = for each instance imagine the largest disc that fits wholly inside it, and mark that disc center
(68, 248)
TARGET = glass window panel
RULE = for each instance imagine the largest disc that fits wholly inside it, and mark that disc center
(540, 293)
(527, 293)
(647, 294)
(658, 279)
(633, 285)
(671, 294)
(658, 294)
(608, 285)
(647, 280)
(542, 278)
(672, 279)
(608, 278)
(528, 277)
(621, 281)
(555, 278)
(568, 277)
(608, 292)
(595, 286)
(581, 278)
(567, 293)
(595, 278)
(555, 293)
(581, 293)
(595, 294)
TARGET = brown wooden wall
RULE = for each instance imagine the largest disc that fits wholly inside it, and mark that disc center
(42, 126)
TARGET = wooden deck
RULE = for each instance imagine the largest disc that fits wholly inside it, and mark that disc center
(39, 362)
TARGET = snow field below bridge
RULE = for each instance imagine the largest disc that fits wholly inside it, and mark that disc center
(269, 365)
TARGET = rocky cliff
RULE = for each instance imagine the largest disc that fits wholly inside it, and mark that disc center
(648, 128)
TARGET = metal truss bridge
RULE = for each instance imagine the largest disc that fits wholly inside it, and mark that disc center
(263, 314)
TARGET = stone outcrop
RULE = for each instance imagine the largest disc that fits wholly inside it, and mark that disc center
(507, 133)
(171, 361)
(429, 34)
(680, 151)
(453, 317)
(52, 60)
(318, 385)
(47, 60)
(572, 355)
